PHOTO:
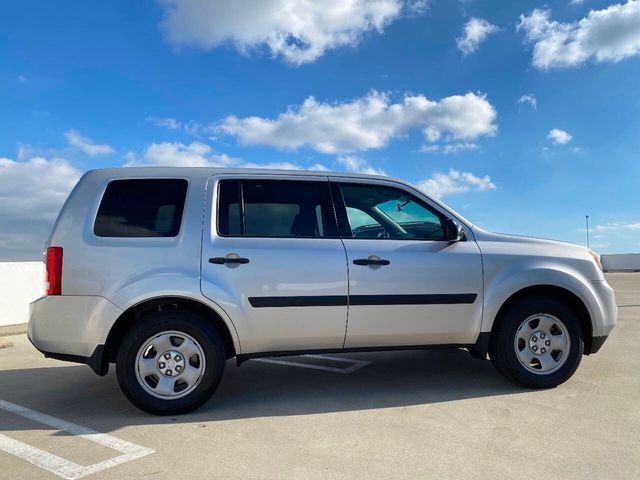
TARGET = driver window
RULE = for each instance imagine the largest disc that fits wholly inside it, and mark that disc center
(389, 213)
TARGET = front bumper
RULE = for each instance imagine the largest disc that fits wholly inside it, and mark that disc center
(604, 313)
(607, 310)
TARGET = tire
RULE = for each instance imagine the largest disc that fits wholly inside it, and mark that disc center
(190, 352)
(528, 351)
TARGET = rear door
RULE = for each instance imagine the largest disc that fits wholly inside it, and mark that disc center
(271, 257)
(407, 284)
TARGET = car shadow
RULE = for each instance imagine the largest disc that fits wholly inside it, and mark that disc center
(257, 389)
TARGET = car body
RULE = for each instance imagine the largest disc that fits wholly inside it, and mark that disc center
(274, 263)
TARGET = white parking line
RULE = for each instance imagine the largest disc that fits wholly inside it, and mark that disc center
(356, 364)
(60, 466)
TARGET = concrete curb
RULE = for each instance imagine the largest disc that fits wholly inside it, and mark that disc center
(5, 343)
(7, 330)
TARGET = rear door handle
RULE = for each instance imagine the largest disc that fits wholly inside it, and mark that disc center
(371, 261)
(223, 260)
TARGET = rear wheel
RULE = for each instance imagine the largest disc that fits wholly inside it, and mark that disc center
(170, 363)
(538, 343)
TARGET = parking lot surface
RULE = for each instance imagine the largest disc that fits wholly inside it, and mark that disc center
(424, 414)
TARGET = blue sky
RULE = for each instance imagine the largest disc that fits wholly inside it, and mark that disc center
(524, 116)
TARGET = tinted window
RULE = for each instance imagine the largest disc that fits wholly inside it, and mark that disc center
(274, 208)
(383, 212)
(141, 208)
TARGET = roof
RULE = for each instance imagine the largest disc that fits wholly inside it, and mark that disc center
(208, 171)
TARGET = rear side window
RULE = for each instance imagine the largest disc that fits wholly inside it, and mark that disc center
(141, 208)
(275, 209)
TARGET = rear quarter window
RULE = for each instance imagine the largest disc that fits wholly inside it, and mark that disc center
(141, 208)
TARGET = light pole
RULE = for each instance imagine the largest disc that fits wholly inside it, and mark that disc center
(587, 218)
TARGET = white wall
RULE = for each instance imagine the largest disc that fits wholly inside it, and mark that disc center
(626, 261)
(20, 284)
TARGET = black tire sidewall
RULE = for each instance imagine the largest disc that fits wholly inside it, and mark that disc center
(503, 352)
(186, 322)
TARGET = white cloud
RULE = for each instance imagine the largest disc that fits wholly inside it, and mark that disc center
(448, 148)
(86, 144)
(459, 147)
(192, 128)
(607, 35)
(177, 154)
(416, 7)
(31, 195)
(576, 2)
(618, 227)
(476, 30)
(319, 167)
(559, 137)
(299, 31)
(366, 122)
(272, 165)
(430, 148)
(529, 98)
(196, 129)
(197, 154)
(170, 123)
(443, 184)
(356, 164)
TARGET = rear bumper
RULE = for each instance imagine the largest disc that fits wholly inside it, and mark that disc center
(72, 328)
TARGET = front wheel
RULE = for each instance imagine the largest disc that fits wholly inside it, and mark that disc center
(538, 343)
(170, 363)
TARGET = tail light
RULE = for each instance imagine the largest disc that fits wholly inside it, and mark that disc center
(53, 284)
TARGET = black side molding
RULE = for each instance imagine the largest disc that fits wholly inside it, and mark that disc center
(340, 300)
(430, 299)
(310, 301)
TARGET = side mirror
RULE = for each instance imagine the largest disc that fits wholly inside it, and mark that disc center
(452, 231)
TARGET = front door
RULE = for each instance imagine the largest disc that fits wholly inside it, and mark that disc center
(271, 257)
(408, 286)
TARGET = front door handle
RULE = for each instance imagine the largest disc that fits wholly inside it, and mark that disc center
(371, 261)
(223, 260)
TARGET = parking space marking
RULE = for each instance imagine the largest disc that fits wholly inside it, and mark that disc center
(60, 466)
(356, 364)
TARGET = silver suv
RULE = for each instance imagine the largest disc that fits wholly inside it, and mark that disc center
(170, 272)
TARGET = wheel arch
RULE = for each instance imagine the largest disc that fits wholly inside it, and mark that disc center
(566, 296)
(144, 308)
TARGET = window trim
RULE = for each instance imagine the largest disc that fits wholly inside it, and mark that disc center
(340, 210)
(343, 218)
(92, 218)
(332, 223)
